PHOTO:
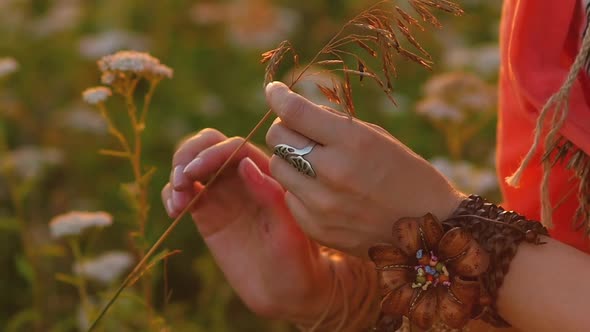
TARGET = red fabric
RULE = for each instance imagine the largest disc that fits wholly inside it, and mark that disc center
(539, 41)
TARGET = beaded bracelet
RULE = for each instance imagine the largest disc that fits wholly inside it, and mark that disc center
(449, 272)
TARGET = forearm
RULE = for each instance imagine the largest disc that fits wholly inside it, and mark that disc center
(547, 288)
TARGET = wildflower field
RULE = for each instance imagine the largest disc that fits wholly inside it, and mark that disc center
(86, 147)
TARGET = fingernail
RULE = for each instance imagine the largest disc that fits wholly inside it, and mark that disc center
(269, 86)
(275, 86)
(179, 179)
(169, 206)
(193, 166)
(254, 172)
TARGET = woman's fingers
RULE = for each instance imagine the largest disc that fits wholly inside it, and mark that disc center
(187, 152)
(262, 188)
(328, 164)
(305, 117)
(176, 201)
(212, 158)
(166, 195)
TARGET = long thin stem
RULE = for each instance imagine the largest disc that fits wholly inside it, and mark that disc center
(113, 129)
(147, 100)
(144, 207)
(82, 288)
(135, 159)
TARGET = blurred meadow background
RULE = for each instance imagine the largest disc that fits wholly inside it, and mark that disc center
(52, 174)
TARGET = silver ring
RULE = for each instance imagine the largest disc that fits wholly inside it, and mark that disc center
(295, 157)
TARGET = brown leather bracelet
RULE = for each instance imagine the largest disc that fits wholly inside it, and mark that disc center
(450, 272)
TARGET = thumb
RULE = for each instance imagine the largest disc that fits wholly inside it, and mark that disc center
(264, 189)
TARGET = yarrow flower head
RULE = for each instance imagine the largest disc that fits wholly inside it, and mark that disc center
(83, 119)
(8, 66)
(138, 63)
(105, 268)
(75, 222)
(438, 109)
(108, 78)
(96, 95)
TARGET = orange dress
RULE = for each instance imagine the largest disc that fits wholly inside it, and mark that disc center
(539, 41)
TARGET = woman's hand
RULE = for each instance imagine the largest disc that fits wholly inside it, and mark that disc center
(272, 265)
(365, 179)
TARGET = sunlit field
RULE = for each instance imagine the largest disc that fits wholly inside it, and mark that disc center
(85, 148)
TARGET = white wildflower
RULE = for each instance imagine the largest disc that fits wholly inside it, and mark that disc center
(134, 62)
(8, 66)
(466, 176)
(108, 78)
(486, 59)
(29, 161)
(162, 71)
(106, 268)
(107, 42)
(438, 109)
(75, 222)
(452, 84)
(96, 95)
(84, 119)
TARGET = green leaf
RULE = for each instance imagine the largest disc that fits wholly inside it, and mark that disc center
(9, 224)
(25, 269)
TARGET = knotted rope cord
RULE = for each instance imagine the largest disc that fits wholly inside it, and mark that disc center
(559, 102)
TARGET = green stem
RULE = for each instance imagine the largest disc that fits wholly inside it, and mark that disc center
(113, 129)
(81, 284)
(142, 200)
(147, 100)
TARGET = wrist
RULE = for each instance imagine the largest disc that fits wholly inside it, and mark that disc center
(351, 302)
(449, 202)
